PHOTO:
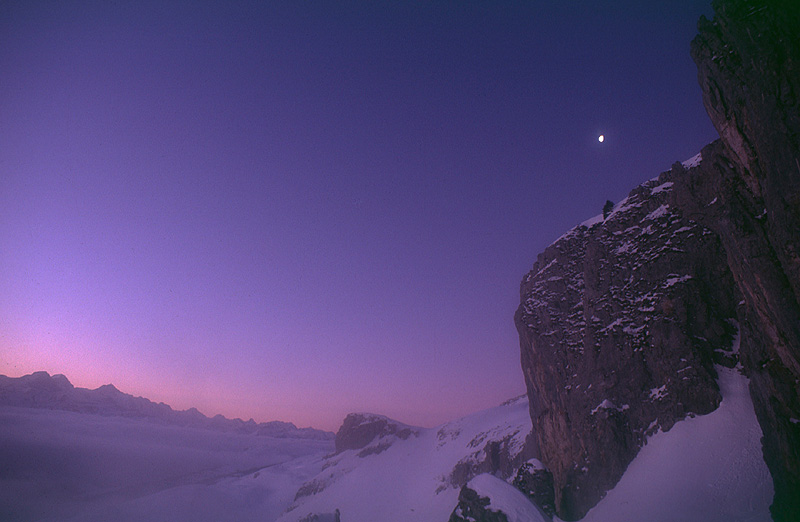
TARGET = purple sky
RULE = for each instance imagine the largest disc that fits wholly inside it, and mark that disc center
(295, 210)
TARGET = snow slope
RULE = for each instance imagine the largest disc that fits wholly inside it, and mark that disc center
(705, 469)
(412, 479)
(70, 466)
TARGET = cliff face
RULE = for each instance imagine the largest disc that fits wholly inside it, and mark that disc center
(748, 63)
(622, 320)
(619, 323)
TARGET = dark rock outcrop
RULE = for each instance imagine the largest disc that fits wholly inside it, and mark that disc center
(748, 61)
(488, 498)
(475, 508)
(622, 319)
(536, 482)
(360, 429)
(498, 457)
(499, 450)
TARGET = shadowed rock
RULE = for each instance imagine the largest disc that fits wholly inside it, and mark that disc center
(621, 320)
(748, 61)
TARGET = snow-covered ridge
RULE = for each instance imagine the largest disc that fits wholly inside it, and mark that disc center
(693, 161)
(419, 477)
(40, 390)
(633, 201)
(696, 472)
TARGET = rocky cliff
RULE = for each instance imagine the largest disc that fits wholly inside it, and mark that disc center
(748, 61)
(360, 429)
(620, 324)
(623, 319)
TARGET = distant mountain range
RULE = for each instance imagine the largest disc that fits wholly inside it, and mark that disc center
(41, 390)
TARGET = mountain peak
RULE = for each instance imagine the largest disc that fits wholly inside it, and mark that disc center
(360, 429)
(108, 389)
(40, 390)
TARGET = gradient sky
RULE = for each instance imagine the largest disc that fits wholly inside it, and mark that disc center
(295, 210)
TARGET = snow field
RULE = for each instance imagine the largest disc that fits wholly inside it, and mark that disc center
(705, 469)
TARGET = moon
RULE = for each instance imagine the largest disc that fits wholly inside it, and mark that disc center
(601, 138)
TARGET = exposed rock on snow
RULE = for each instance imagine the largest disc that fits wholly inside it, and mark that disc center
(536, 483)
(708, 468)
(360, 429)
(487, 498)
(417, 477)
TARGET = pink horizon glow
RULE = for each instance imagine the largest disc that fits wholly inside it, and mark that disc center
(293, 211)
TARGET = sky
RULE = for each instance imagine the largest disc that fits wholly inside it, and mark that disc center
(296, 210)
